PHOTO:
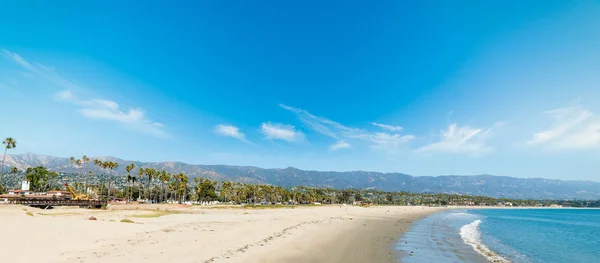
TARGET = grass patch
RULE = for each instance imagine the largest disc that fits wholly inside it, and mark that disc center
(112, 220)
(127, 221)
(268, 206)
(29, 213)
(57, 214)
(156, 214)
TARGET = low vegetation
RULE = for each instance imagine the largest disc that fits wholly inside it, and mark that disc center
(155, 214)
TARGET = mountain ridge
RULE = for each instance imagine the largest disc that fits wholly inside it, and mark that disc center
(485, 184)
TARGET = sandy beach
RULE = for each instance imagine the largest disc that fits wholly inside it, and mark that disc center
(171, 233)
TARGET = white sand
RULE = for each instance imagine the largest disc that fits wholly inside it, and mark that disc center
(302, 234)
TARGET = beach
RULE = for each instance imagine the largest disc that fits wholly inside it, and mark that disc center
(174, 233)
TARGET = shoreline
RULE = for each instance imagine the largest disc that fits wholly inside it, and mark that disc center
(370, 238)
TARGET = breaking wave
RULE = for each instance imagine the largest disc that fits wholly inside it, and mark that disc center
(471, 235)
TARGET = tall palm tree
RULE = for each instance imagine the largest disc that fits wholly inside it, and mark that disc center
(164, 178)
(129, 168)
(151, 173)
(85, 160)
(128, 188)
(87, 186)
(14, 170)
(141, 172)
(9, 143)
(100, 165)
(110, 166)
(133, 180)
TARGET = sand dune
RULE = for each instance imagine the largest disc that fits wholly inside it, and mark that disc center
(199, 234)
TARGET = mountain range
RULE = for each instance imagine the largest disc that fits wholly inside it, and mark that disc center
(488, 185)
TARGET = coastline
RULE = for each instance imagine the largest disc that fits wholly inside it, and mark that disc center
(163, 233)
(368, 238)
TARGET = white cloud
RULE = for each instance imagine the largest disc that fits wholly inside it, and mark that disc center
(462, 140)
(381, 139)
(281, 132)
(390, 142)
(573, 128)
(318, 124)
(387, 127)
(110, 110)
(114, 114)
(43, 72)
(340, 145)
(133, 118)
(231, 131)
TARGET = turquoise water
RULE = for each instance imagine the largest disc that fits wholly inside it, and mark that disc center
(542, 235)
(509, 235)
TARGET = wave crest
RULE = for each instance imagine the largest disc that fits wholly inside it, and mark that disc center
(471, 235)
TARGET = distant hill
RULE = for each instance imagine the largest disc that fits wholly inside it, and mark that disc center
(488, 185)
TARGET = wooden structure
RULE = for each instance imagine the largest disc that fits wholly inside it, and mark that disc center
(51, 202)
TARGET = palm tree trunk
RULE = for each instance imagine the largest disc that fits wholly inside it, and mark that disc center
(3, 159)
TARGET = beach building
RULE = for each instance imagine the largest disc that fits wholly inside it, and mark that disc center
(20, 192)
(59, 193)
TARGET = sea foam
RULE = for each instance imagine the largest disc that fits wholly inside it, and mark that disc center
(471, 235)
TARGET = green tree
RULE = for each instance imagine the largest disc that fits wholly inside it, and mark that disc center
(226, 191)
(205, 189)
(39, 178)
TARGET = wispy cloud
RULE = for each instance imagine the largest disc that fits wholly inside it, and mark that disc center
(43, 72)
(574, 128)
(319, 124)
(110, 110)
(340, 145)
(278, 131)
(388, 127)
(392, 141)
(102, 109)
(462, 140)
(231, 131)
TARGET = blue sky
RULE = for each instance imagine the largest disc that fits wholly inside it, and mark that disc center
(480, 87)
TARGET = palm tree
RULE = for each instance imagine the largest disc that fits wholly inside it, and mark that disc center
(151, 173)
(133, 179)
(14, 171)
(9, 143)
(101, 165)
(128, 168)
(128, 189)
(85, 161)
(87, 186)
(164, 177)
(111, 166)
(141, 172)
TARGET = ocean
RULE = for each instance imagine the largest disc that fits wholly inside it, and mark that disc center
(504, 235)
